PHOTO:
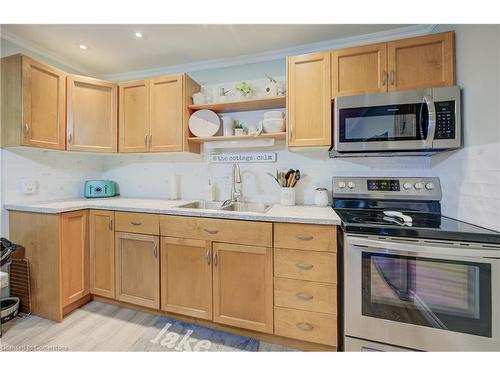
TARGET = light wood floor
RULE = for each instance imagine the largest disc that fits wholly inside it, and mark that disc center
(94, 327)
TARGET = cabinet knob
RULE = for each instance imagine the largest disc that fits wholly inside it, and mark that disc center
(155, 250)
(26, 130)
(305, 326)
(384, 78)
(70, 138)
(304, 296)
(216, 258)
(208, 257)
(304, 266)
(146, 140)
(110, 224)
(304, 237)
(393, 77)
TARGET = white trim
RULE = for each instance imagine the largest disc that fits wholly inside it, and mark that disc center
(381, 36)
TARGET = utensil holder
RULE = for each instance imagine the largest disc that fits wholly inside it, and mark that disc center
(287, 196)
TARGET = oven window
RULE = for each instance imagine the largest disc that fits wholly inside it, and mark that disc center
(443, 294)
(383, 123)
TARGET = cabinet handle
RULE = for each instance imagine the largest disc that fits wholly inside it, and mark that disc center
(384, 78)
(110, 224)
(393, 76)
(304, 266)
(304, 237)
(305, 326)
(155, 250)
(304, 296)
(216, 257)
(208, 257)
(291, 131)
(150, 139)
(26, 130)
(136, 223)
(211, 231)
(146, 140)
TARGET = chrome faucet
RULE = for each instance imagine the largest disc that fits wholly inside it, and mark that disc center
(235, 190)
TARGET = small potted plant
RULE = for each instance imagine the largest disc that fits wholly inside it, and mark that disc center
(245, 89)
(238, 128)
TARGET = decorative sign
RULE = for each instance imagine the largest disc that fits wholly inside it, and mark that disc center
(244, 157)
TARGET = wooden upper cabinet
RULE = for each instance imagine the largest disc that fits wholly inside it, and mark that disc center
(102, 253)
(186, 277)
(91, 114)
(137, 270)
(426, 61)
(74, 256)
(166, 126)
(359, 70)
(309, 100)
(134, 117)
(33, 104)
(243, 286)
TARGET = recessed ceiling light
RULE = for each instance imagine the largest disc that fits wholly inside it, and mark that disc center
(82, 46)
(138, 34)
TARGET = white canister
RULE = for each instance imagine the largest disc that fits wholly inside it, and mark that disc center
(227, 125)
(287, 196)
(321, 197)
(198, 98)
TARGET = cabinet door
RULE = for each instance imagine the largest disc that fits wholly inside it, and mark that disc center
(137, 269)
(359, 70)
(102, 253)
(44, 94)
(91, 114)
(186, 277)
(309, 100)
(427, 61)
(74, 256)
(134, 117)
(166, 114)
(243, 286)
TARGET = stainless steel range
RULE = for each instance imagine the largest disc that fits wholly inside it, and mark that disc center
(413, 278)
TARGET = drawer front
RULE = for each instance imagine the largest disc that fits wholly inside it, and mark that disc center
(220, 230)
(305, 265)
(306, 237)
(305, 295)
(132, 222)
(307, 326)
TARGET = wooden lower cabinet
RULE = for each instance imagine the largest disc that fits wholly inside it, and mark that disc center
(243, 286)
(186, 277)
(137, 270)
(102, 253)
(74, 256)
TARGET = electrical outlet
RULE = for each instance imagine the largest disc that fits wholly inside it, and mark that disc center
(29, 186)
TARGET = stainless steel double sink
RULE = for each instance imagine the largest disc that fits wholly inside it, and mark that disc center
(235, 206)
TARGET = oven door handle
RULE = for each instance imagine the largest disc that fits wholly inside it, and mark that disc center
(431, 126)
(437, 249)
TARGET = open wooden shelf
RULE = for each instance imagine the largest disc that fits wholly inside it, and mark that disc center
(243, 105)
(277, 136)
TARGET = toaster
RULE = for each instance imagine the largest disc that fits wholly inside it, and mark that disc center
(100, 189)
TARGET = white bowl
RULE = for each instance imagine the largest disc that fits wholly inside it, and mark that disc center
(273, 115)
(273, 125)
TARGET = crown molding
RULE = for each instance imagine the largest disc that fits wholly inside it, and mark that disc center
(381, 36)
(46, 53)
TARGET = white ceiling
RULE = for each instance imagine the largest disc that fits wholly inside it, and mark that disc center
(113, 49)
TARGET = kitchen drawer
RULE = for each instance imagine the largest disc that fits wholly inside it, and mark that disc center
(305, 237)
(308, 326)
(133, 222)
(220, 230)
(305, 295)
(305, 265)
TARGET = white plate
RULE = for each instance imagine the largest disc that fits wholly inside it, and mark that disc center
(204, 123)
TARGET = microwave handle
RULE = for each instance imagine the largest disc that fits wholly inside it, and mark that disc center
(431, 126)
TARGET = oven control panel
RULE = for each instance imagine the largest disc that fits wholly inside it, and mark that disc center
(420, 188)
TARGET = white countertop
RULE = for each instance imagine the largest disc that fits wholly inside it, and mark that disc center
(277, 213)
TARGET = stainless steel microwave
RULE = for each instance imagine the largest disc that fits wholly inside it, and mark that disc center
(398, 123)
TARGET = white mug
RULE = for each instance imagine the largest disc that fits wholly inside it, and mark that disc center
(254, 129)
(321, 197)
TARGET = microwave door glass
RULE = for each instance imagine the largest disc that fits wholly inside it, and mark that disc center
(384, 123)
(442, 294)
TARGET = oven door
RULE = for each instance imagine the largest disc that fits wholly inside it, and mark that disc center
(424, 296)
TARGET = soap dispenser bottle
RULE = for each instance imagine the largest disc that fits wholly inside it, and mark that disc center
(210, 192)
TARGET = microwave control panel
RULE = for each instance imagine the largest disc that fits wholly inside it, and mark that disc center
(445, 120)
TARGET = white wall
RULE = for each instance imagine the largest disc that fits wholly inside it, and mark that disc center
(471, 176)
